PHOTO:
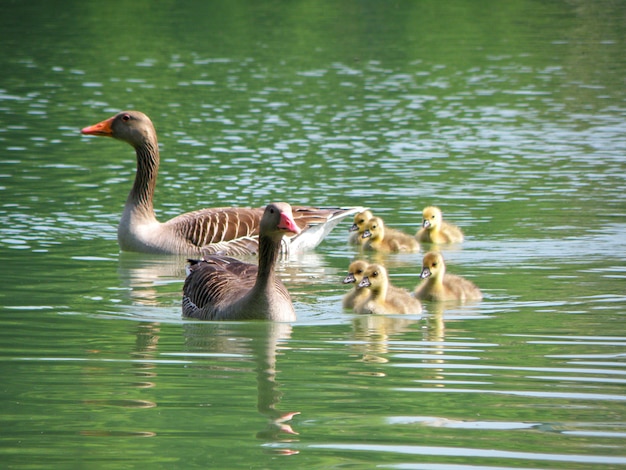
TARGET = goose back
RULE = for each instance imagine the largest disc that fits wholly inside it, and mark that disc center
(225, 230)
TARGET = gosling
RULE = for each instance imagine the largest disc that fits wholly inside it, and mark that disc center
(436, 230)
(356, 295)
(380, 238)
(383, 298)
(437, 285)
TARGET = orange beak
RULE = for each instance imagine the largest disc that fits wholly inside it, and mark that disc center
(102, 128)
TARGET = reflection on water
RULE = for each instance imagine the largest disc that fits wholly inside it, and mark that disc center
(258, 343)
(515, 128)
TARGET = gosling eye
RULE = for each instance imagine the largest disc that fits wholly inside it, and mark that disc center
(359, 271)
(375, 274)
(434, 264)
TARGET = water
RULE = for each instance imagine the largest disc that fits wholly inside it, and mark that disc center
(508, 116)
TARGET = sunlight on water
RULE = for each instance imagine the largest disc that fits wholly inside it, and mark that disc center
(515, 128)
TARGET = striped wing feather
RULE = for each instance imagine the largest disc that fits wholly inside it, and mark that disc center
(234, 230)
(214, 283)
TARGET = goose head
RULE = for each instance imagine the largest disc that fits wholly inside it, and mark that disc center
(355, 272)
(431, 217)
(375, 229)
(133, 127)
(432, 265)
(278, 220)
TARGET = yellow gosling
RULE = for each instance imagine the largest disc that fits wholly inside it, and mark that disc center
(380, 238)
(356, 295)
(438, 285)
(383, 298)
(358, 227)
(436, 230)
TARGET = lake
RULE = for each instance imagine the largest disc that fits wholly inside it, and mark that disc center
(510, 116)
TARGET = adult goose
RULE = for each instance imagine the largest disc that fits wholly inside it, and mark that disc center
(436, 230)
(224, 230)
(438, 285)
(222, 288)
(385, 298)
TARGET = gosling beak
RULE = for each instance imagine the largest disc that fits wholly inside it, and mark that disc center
(354, 228)
(425, 223)
(365, 282)
(366, 234)
(349, 279)
(425, 273)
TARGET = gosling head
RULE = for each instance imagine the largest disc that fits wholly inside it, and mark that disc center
(375, 229)
(355, 272)
(432, 265)
(431, 217)
(360, 220)
(374, 277)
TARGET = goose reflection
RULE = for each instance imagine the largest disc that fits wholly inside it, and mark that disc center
(145, 277)
(259, 340)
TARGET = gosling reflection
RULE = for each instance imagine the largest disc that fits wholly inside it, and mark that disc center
(373, 333)
(259, 340)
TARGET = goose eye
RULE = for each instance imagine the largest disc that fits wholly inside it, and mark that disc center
(126, 117)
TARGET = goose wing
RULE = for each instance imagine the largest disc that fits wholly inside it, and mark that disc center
(214, 282)
(234, 230)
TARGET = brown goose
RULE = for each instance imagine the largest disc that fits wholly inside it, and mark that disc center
(438, 285)
(225, 230)
(436, 230)
(380, 238)
(384, 298)
(222, 288)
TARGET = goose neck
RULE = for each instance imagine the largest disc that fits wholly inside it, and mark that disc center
(142, 193)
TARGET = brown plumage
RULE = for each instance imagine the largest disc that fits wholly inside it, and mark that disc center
(439, 286)
(380, 238)
(436, 230)
(226, 230)
(383, 298)
(224, 288)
